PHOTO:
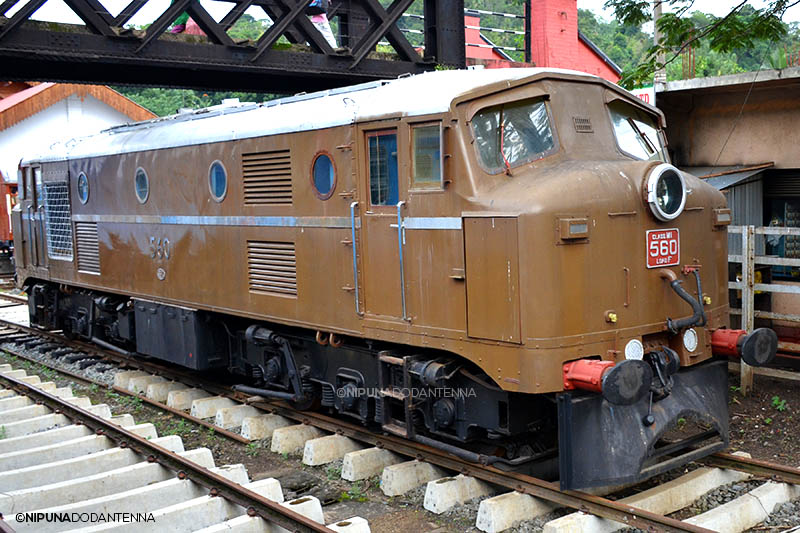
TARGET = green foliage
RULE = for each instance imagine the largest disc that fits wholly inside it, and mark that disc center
(3, 433)
(779, 404)
(180, 428)
(357, 493)
(253, 449)
(768, 421)
(333, 472)
(94, 388)
(736, 42)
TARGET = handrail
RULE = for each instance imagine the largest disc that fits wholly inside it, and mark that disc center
(353, 206)
(401, 240)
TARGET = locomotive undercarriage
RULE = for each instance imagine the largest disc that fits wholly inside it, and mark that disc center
(431, 397)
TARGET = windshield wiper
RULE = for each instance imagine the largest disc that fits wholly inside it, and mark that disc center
(648, 144)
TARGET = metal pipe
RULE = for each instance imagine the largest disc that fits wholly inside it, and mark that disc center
(266, 393)
(698, 317)
(109, 346)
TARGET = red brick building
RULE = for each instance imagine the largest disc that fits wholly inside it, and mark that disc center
(555, 42)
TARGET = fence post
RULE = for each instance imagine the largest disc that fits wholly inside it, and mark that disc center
(748, 294)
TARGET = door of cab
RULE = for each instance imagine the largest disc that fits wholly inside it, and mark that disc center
(32, 218)
(384, 196)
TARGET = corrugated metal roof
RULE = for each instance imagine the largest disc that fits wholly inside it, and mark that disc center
(730, 175)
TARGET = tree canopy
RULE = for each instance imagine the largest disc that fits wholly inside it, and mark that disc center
(746, 34)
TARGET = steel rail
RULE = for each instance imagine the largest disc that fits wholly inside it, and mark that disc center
(255, 504)
(596, 505)
(757, 467)
(74, 375)
(13, 298)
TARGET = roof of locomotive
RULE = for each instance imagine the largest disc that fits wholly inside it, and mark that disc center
(422, 94)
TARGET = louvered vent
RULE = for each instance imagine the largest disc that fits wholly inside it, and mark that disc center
(88, 247)
(582, 124)
(57, 215)
(267, 178)
(272, 268)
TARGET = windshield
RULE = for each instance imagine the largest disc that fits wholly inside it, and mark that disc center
(512, 134)
(636, 131)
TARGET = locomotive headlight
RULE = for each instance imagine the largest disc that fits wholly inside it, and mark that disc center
(690, 340)
(666, 192)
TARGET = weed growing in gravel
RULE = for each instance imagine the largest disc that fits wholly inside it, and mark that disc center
(285, 456)
(768, 421)
(111, 395)
(2, 432)
(181, 428)
(45, 371)
(356, 493)
(333, 472)
(779, 404)
(681, 423)
(211, 434)
(93, 388)
(252, 449)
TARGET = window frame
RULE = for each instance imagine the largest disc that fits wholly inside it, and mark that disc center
(224, 194)
(389, 130)
(317, 192)
(413, 185)
(660, 138)
(78, 188)
(545, 99)
(136, 189)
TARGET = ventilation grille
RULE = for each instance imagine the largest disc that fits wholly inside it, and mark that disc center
(88, 247)
(272, 268)
(582, 124)
(267, 178)
(57, 218)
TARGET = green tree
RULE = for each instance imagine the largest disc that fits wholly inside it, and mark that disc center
(743, 27)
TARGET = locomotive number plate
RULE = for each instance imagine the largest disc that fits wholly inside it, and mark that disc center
(663, 247)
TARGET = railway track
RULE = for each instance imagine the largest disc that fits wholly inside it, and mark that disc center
(403, 465)
(63, 460)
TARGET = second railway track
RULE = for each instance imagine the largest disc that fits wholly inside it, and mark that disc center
(451, 481)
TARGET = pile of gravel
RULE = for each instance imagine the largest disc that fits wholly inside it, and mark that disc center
(784, 516)
(101, 372)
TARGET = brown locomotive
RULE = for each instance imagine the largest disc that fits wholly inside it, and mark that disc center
(486, 261)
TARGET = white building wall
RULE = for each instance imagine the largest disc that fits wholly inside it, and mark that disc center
(63, 120)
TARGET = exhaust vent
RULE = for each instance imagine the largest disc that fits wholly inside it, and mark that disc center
(267, 178)
(88, 247)
(57, 220)
(272, 268)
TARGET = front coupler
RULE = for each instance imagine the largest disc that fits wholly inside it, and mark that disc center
(602, 444)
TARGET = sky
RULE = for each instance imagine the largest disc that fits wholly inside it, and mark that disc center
(57, 11)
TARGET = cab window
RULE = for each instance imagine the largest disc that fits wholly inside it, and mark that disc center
(382, 146)
(512, 134)
(426, 142)
(636, 132)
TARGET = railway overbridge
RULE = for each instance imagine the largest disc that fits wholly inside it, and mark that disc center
(105, 49)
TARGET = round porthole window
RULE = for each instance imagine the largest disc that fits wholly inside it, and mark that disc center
(323, 176)
(83, 188)
(217, 181)
(142, 185)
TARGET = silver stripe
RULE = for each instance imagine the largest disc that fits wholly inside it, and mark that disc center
(432, 223)
(188, 220)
